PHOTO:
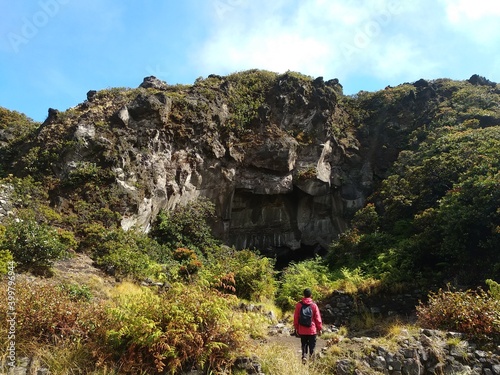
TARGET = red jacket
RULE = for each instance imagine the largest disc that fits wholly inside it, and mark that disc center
(317, 323)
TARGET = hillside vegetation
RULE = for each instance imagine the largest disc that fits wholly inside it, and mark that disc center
(415, 170)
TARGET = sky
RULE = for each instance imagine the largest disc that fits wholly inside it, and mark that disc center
(52, 52)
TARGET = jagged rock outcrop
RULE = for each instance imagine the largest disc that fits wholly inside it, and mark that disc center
(279, 165)
(286, 159)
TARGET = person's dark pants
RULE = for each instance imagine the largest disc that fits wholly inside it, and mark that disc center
(308, 344)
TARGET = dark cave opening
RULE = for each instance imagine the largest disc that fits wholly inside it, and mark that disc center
(284, 256)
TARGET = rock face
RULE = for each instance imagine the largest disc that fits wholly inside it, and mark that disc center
(428, 352)
(280, 156)
(5, 200)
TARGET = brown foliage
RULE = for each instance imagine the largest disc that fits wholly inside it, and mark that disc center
(473, 312)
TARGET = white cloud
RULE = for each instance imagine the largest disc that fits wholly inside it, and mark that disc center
(471, 10)
(317, 37)
(400, 57)
(271, 45)
(475, 19)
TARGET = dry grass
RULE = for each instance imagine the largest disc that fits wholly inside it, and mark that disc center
(279, 359)
(69, 359)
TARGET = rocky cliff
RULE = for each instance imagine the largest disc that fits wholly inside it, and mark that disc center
(285, 158)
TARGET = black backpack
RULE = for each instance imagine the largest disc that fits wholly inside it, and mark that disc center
(306, 315)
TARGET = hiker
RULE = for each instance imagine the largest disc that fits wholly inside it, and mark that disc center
(307, 322)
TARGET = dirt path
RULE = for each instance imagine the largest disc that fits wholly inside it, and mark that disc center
(294, 343)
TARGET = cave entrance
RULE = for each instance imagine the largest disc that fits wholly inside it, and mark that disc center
(284, 256)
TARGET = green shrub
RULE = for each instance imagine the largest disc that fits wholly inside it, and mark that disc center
(16, 125)
(493, 289)
(122, 253)
(5, 255)
(248, 90)
(77, 292)
(354, 280)
(5, 259)
(186, 227)
(474, 313)
(124, 260)
(33, 244)
(244, 273)
(366, 219)
(298, 276)
(88, 212)
(84, 172)
(254, 276)
(26, 190)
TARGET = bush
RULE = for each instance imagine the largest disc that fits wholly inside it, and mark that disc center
(185, 227)
(138, 331)
(5, 259)
(5, 255)
(473, 313)
(493, 289)
(46, 313)
(241, 272)
(248, 90)
(298, 276)
(189, 262)
(77, 292)
(183, 327)
(27, 192)
(354, 281)
(125, 254)
(254, 276)
(33, 244)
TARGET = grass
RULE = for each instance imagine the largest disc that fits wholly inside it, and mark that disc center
(335, 337)
(278, 359)
(275, 358)
(60, 359)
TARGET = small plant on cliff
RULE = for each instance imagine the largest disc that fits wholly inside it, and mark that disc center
(306, 174)
(84, 172)
(247, 94)
(15, 128)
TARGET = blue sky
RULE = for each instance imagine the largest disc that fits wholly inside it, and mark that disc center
(53, 51)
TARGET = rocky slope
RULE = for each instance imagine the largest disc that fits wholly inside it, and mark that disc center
(286, 159)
